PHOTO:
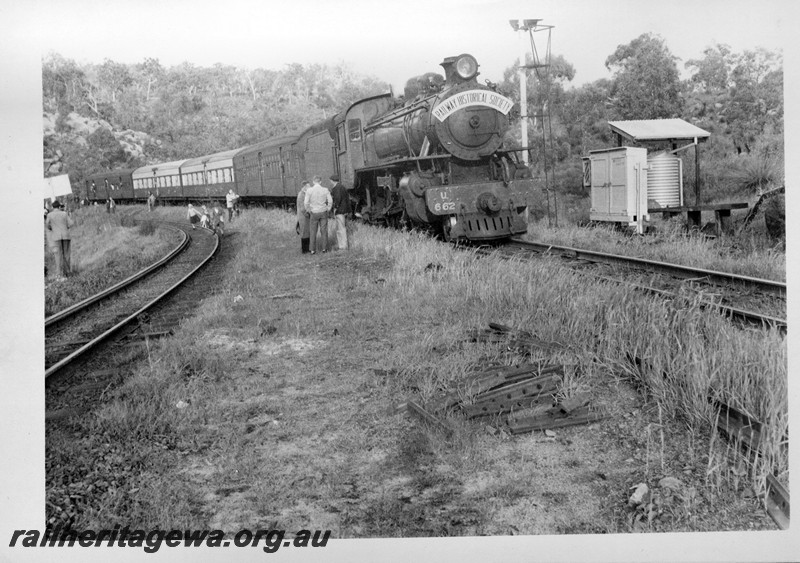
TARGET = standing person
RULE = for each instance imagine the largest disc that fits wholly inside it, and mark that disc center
(303, 217)
(341, 209)
(230, 200)
(112, 206)
(193, 215)
(108, 205)
(205, 219)
(59, 223)
(151, 201)
(217, 220)
(318, 202)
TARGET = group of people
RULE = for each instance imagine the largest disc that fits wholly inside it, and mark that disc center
(214, 219)
(315, 203)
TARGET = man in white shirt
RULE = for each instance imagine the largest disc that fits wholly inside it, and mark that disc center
(318, 202)
(230, 201)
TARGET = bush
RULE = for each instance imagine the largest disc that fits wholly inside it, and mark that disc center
(147, 228)
(727, 176)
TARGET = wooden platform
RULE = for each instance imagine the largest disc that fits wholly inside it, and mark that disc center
(722, 214)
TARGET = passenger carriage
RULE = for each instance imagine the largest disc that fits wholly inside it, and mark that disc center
(163, 180)
(210, 176)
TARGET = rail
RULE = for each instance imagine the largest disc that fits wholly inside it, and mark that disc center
(94, 342)
(766, 286)
(77, 307)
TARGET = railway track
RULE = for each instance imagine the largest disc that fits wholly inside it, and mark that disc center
(729, 289)
(737, 426)
(76, 331)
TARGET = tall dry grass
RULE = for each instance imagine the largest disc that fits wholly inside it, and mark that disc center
(687, 354)
(410, 280)
(747, 255)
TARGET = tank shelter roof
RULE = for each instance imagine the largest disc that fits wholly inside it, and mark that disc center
(649, 130)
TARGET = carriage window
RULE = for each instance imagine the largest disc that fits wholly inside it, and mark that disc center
(354, 129)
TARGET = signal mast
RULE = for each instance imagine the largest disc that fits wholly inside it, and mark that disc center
(540, 64)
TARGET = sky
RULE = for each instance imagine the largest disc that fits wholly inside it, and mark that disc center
(392, 41)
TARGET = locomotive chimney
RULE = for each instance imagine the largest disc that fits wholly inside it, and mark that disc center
(449, 65)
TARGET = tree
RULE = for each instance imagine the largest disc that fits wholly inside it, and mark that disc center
(585, 111)
(756, 97)
(63, 83)
(712, 71)
(187, 110)
(148, 74)
(544, 96)
(113, 77)
(736, 95)
(646, 83)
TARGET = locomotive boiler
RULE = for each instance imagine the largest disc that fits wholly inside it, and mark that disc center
(438, 159)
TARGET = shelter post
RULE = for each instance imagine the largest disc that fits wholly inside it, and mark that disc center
(697, 173)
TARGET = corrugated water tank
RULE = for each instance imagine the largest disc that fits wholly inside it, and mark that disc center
(664, 180)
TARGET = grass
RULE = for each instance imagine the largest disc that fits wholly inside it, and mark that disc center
(749, 254)
(298, 415)
(106, 248)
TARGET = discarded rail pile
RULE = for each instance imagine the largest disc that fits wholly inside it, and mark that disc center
(519, 341)
(748, 433)
(520, 398)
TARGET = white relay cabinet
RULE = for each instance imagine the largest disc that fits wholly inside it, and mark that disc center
(619, 185)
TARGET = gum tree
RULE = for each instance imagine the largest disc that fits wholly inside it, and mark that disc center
(646, 83)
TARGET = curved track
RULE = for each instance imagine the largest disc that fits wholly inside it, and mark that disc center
(72, 333)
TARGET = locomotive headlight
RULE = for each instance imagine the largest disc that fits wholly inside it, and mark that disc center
(467, 67)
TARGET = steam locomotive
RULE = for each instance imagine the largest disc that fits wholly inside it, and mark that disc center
(432, 158)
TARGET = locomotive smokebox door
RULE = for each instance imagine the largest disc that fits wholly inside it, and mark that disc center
(470, 123)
